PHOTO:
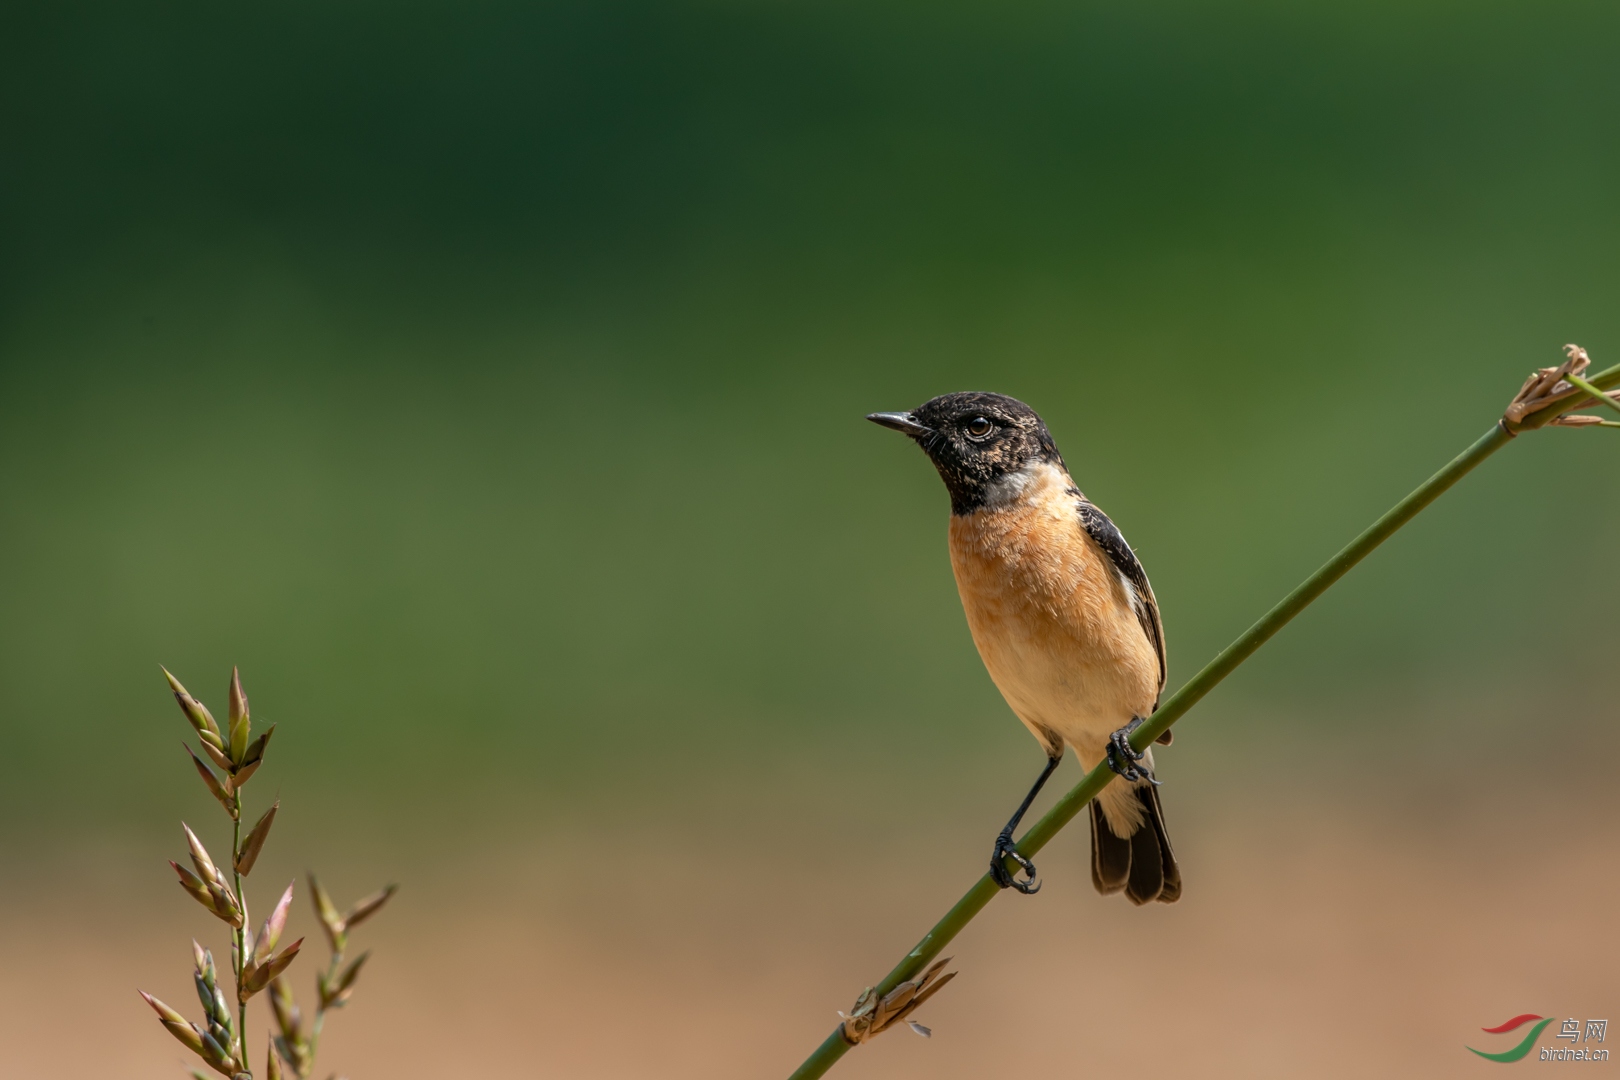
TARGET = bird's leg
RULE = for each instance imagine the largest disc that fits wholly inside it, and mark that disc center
(1004, 842)
(1122, 759)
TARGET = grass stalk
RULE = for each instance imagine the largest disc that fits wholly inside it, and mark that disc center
(255, 962)
(1191, 692)
(243, 931)
(319, 1022)
(1594, 392)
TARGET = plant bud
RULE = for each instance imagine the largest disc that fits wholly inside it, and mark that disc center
(253, 757)
(256, 977)
(366, 908)
(222, 759)
(331, 921)
(289, 1019)
(297, 1052)
(199, 857)
(338, 993)
(195, 712)
(192, 885)
(166, 1014)
(271, 932)
(213, 782)
(175, 1023)
(240, 725)
(217, 1055)
(255, 840)
(203, 959)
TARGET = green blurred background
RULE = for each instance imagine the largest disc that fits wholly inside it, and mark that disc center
(487, 381)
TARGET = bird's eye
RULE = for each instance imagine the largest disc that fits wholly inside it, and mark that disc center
(979, 428)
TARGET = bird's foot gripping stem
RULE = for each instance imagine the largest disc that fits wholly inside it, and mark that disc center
(1123, 760)
(998, 868)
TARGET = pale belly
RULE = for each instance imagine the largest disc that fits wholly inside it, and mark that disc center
(1079, 692)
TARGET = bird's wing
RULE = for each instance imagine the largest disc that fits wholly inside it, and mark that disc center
(1108, 537)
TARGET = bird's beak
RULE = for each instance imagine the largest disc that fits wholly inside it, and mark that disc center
(902, 422)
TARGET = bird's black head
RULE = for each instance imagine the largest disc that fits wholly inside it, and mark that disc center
(975, 440)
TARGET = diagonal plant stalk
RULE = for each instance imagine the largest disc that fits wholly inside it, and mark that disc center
(1539, 403)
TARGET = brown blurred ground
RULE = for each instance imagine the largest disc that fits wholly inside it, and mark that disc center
(1336, 923)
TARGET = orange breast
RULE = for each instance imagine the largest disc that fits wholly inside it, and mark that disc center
(1050, 616)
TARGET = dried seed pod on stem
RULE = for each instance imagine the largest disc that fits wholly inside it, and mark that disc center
(875, 1013)
(1562, 383)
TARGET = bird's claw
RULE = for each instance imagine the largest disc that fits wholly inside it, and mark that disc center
(998, 869)
(1123, 759)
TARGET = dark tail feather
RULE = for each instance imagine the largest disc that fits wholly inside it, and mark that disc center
(1171, 890)
(1144, 865)
(1110, 856)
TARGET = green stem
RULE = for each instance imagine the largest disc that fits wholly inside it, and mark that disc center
(242, 931)
(320, 1012)
(1577, 381)
(985, 889)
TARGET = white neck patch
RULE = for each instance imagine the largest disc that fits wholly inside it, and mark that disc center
(1016, 486)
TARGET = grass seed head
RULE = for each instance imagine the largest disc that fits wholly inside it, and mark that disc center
(216, 1054)
(221, 900)
(203, 977)
(299, 1055)
(367, 907)
(256, 977)
(253, 757)
(241, 726)
(203, 959)
(291, 1041)
(270, 933)
(176, 1023)
(335, 994)
(196, 713)
(223, 760)
(193, 885)
(200, 858)
(327, 912)
(289, 1017)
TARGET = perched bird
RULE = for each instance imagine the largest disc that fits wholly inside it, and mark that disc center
(1064, 619)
